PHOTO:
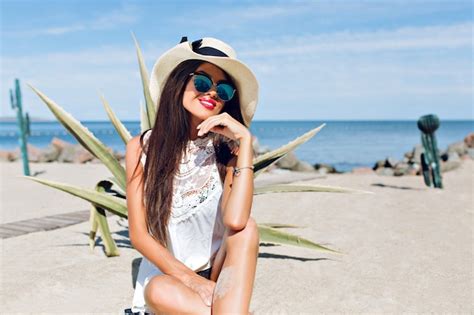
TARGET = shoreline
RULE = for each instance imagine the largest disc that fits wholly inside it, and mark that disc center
(410, 164)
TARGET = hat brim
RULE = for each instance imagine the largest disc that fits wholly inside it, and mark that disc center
(244, 79)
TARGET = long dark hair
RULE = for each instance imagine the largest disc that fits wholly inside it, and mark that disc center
(166, 144)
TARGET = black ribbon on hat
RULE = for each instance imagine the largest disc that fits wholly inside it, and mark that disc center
(207, 51)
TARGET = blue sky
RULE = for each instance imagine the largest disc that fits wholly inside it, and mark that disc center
(318, 60)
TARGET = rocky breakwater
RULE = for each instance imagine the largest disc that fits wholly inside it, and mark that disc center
(57, 151)
(291, 162)
(450, 159)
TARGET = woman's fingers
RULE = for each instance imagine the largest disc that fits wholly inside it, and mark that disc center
(206, 297)
(208, 124)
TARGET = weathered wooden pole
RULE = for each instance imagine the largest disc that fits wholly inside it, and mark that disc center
(23, 124)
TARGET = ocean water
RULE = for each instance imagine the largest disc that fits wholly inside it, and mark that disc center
(343, 144)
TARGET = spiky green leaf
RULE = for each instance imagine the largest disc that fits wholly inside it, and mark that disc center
(265, 160)
(279, 226)
(85, 138)
(270, 235)
(121, 129)
(115, 205)
(150, 107)
(111, 249)
(279, 188)
(144, 124)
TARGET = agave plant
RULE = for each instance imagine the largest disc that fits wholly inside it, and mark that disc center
(109, 195)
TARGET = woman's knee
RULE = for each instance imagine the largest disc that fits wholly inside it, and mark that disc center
(157, 291)
(248, 235)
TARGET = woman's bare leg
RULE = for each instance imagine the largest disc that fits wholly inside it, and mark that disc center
(165, 294)
(234, 285)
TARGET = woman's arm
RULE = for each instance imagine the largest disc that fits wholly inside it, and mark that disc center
(139, 237)
(238, 190)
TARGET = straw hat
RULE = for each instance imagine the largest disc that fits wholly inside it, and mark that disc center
(218, 53)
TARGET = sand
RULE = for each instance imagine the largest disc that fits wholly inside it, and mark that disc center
(408, 248)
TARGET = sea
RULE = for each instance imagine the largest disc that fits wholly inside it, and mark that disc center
(342, 144)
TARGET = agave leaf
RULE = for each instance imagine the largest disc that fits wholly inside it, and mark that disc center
(94, 226)
(101, 219)
(115, 205)
(265, 160)
(121, 129)
(303, 188)
(150, 107)
(119, 190)
(144, 124)
(279, 226)
(270, 235)
(85, 138)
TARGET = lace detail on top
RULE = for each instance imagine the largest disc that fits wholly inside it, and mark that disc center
(196, 180)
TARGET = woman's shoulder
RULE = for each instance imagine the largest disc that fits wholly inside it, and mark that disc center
(138, 142)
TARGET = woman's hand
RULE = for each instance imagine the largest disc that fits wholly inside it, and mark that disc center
(225, 125)
(202, 286)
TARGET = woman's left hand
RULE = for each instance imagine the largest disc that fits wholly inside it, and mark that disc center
(225, 125)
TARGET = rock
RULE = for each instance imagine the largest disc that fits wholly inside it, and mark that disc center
(459, 147)
(289, 161)
(325, 168)
(401, 169)
(469, 140)
(49, 154)
(453, 156)
(470, 153)
(8, 156)
(81, 155)
(443, 156)
(390, 162)
(60, 144)
(413, 169)
(449, 166)
(386, 171)
(378, 164)
(67, 154)
(32, 151)
(362, 170)
(119, 156)
(4, 156)
(303, 166)
(95, 161)
(416, 153)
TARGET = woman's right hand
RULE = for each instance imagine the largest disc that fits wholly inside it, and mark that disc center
(202, 286)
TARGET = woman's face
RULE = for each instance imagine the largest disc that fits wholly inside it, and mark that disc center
(203, 105)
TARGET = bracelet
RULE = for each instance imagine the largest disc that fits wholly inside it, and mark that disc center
(237, 169)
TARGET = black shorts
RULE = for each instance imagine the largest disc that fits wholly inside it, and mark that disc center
(205, 273)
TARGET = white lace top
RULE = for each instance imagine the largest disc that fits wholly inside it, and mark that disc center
(195, 229)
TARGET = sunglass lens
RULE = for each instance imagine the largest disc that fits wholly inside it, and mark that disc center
(202, 83)
(225, 91)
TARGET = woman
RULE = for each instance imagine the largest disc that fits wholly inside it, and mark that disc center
(190, 185)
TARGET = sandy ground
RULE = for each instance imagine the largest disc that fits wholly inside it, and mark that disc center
(407, 248)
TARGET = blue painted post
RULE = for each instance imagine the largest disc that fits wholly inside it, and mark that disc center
(23, 124)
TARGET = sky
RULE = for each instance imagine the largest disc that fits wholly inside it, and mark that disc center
(314, 60)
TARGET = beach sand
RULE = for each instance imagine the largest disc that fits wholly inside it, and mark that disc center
(408, 248)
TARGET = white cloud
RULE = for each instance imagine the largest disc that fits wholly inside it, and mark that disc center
(243, 14)
(407, 38)
(126, 15)
(380, 70)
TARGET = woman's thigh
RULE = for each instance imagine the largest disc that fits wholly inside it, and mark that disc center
(164, 293)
